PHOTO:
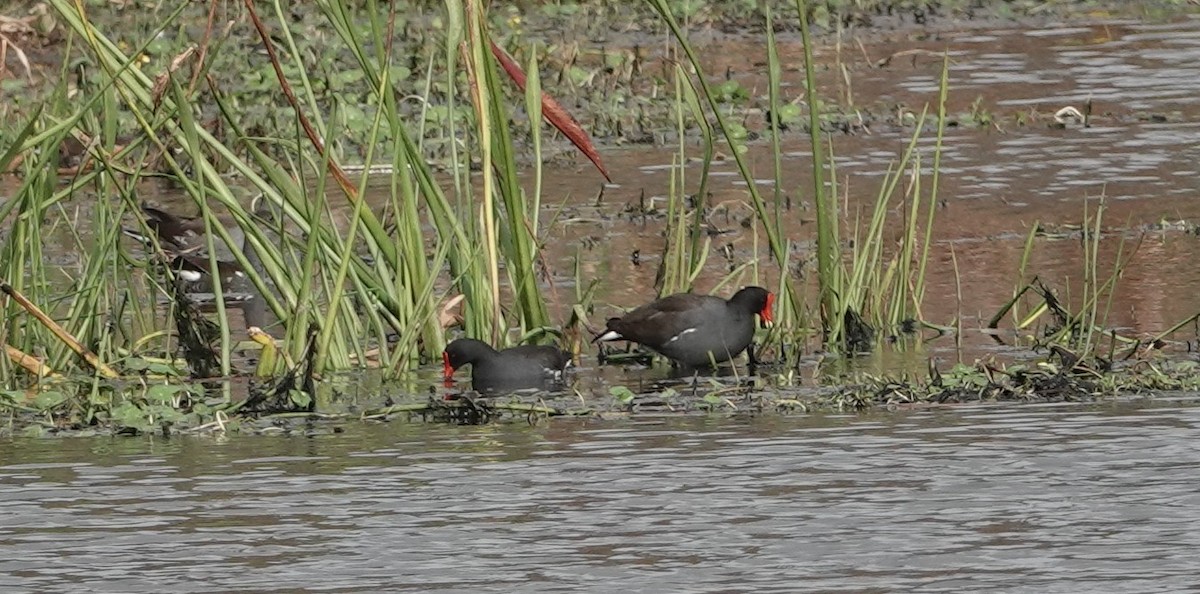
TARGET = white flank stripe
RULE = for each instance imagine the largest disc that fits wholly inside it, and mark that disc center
(681, 335)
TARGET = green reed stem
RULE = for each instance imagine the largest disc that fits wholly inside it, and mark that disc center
(774, 78)
(478, 67)
(774, 239)
(934, 185)
(828, 250)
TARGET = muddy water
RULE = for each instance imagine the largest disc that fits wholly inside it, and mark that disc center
(1141, 154)
(1036, 499)
(1028, 498)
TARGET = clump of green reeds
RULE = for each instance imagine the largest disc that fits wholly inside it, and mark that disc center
(876, 285)
(335, 270)
(348, 284)
(1075, 323)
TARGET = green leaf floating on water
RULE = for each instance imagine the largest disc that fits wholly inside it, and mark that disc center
(165, 414)
(731, 91)
(128, 414)
(622, 394)
(789, 114)
(300, 398)
(164, 393)
(159, 368)
(737, 131)
(49, 399)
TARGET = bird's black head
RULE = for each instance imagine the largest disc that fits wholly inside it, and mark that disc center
(461, 352)
(754, 300)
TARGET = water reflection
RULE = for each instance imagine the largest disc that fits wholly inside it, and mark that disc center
(998, 181)
(1041, 498)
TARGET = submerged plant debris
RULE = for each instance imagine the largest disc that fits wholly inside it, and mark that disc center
(247, 117)
(185, 408)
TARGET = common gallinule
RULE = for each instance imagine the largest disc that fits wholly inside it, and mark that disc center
(181, 234)
(195, 272)
(525, 366)
(174, 232)
(694, 329)
(184, 247)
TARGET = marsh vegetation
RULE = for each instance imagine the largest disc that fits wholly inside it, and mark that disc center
(374, 178)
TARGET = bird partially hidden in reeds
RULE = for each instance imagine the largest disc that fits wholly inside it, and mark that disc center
(175, 233)
(195, 272)
(180, 242)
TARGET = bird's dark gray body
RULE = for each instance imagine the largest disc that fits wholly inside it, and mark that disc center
(693, 329)
(525, 366)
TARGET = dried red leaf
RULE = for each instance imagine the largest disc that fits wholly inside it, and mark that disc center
(553, 112)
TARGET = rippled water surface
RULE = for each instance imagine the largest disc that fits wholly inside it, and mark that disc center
(1019, 498)
(1005, 170)
(1141, 153)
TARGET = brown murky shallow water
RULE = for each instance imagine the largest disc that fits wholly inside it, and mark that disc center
(996, 182)
(1036, 498)
(1033, 498)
